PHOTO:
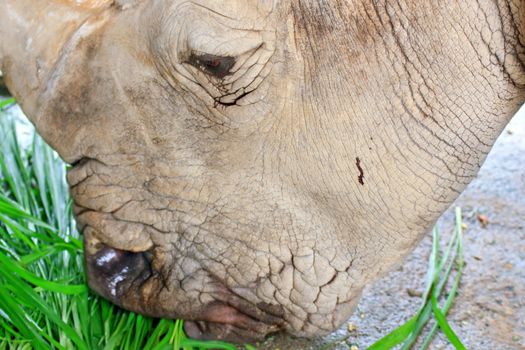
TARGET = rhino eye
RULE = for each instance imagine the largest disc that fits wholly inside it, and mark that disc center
(218, 66)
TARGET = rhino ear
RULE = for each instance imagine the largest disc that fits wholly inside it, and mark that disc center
(40, 40)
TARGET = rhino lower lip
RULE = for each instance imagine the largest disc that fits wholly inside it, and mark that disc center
(211, 331)
(223, 321)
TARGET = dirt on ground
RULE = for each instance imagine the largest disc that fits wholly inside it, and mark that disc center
(489, 311)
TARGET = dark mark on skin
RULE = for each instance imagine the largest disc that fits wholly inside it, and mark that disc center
(361, 177)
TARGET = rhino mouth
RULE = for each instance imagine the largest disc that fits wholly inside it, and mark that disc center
(129, 280)
(225, 322)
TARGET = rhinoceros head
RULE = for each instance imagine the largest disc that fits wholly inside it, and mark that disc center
(250, 165)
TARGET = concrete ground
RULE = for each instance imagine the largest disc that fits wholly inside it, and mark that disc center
(489, 311)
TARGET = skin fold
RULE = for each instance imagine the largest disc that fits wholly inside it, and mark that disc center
(250, 166)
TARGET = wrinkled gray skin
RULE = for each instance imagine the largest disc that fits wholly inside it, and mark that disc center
(252, 164)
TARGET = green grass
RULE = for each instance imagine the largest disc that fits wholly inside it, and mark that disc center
(44, 301)
(438, 274)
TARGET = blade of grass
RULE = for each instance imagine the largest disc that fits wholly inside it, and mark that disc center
(458, 233)
(46, 252)
(27, 296)
(10, 265)
(395, 337)
(7, 102)
(13, 310)
(445, 326)
(13, 211)
(210, 344)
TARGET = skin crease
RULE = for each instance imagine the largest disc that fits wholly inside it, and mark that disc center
(264, 199)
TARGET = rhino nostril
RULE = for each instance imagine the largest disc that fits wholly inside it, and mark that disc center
(111, 271)
(112, 261)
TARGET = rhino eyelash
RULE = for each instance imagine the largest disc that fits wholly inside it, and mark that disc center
(217, 66)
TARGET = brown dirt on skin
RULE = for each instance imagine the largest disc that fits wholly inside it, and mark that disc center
(489, 312)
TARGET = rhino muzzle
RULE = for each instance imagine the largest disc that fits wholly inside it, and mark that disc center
(120, 276)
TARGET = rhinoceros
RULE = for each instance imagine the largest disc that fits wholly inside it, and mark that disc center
(250, 166)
